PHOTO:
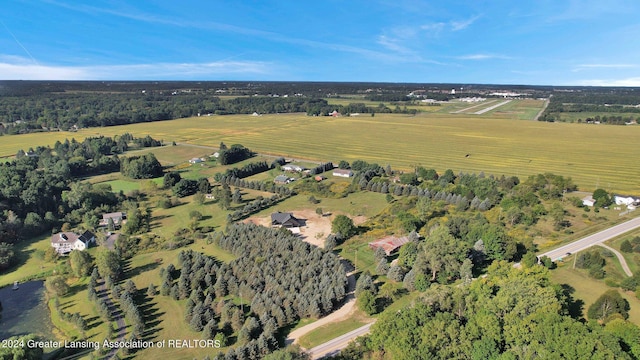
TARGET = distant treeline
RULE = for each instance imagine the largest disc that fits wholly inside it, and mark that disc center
(63, 111)
(623, 101)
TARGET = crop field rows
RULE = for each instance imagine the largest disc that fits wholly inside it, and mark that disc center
(591, 155)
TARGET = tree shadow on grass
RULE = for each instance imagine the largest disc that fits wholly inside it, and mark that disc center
(140, 269)
(93, 322)
(74, 289)
(573, 306)
(150, 314)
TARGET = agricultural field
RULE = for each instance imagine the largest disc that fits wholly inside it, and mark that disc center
(491, 142)
(461, 142)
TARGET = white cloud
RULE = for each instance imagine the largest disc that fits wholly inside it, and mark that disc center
(603, 66)
(16, 68)
(392, 44)
(463, 24)
(482, 57)
(632, 81)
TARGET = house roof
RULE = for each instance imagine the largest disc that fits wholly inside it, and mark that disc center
(343, 171)
(86, 237)
(113, 215)
(389, 244)
(66, 237)
(281, 178)
(280, 218)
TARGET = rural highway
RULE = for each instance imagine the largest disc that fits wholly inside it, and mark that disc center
(592, 240)
(334, 346)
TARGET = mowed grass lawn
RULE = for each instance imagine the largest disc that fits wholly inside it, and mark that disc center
(589, 289)
(591, 155)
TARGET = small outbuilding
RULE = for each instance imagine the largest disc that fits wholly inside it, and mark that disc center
(346, 173)
(588, 201)
(389, 244)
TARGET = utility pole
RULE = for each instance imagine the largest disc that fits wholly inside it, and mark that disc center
(356, 264)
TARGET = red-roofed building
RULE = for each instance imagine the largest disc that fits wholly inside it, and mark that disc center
(389, 244)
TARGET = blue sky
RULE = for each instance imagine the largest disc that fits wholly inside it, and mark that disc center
(542, 42)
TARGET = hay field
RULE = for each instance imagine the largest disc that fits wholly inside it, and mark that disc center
(592, 155)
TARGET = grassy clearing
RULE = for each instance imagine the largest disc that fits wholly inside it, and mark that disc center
(520, 109)
(30, 263)
(588, 289)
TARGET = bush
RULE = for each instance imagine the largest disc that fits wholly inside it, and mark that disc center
(596, 272)
(367, 302)
(164, 203)
(626, 246)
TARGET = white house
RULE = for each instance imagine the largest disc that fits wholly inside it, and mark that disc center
(631, 202)
(195, 161)
(343, 173)
(622, 200)
(588, 201)
(292, 167)
(65, 242)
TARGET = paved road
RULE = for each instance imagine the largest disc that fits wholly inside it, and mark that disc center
(334, 346)
(592, 240)
(342, 312)
(623, 262)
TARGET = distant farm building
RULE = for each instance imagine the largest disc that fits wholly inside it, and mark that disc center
(282, 179)
(65, 242)
(335, 113)
(320, 177)
(389, 244)
(292, 167)
(286, 220)
(195, 161)
(343, 173)
(588, 201)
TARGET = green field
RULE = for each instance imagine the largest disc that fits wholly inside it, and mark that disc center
(591, 155)
(588, 289)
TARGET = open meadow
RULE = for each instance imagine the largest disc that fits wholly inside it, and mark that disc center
(594, 156)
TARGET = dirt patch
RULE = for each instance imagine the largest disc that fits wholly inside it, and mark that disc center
(316, 228)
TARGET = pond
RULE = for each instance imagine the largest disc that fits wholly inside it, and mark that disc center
(25, 311)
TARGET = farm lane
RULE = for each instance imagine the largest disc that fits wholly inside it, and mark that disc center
(544, 107)
(591, 240)
(333, 346)
(623, 262)
(118, 318)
